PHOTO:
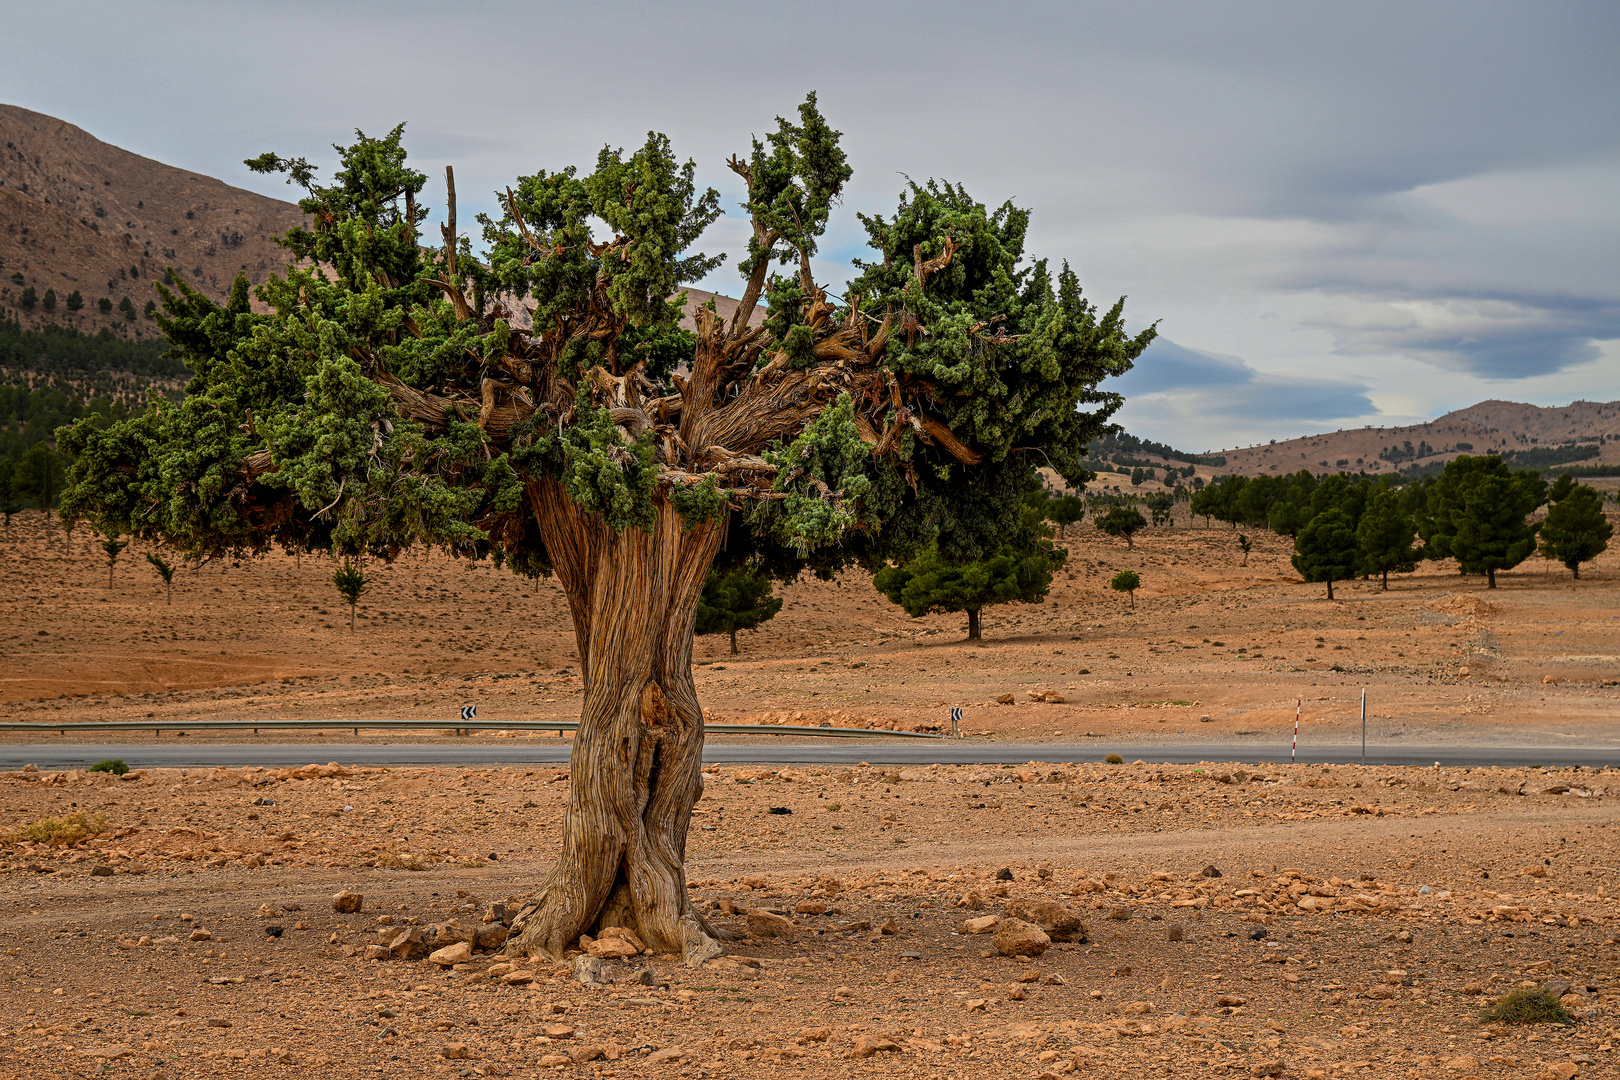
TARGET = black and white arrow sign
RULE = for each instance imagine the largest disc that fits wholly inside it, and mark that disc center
(469, 712)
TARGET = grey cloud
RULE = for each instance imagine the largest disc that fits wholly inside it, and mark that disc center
(1188, 398)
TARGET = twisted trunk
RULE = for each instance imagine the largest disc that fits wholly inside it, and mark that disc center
(638, 752)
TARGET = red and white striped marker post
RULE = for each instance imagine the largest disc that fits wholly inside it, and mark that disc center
(1294, 752)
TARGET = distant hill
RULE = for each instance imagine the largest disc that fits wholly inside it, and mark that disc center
(79, 214)
(1527, 435)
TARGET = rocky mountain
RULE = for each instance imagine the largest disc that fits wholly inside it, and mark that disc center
(78, 214)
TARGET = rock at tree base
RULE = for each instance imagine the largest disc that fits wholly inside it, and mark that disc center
(1014, 937)
(588, 970)
(450, 955)
(769, 924)
(697, 948)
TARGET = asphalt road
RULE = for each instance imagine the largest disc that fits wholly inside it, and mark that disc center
(175, 753)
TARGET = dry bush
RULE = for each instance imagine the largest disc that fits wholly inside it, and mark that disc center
(1528, 1005)
(394, 860)
(63, 831)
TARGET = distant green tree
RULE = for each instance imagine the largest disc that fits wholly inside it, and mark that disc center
(1384, 536)
(113, 547)
(150, 310)
(10, 491)
(75, 300)
(1477, 512)
(128, 308)
(1291, 508)
(1575, 529)
(1124, 521)
(1245, 545)
(42, 475)
(1021, 571)
(29, 298)
(104, 305)
(1126, 581)
(736, 600)
(1160, 504)
(49, 302)
(1325, 549)
(1136, 477)
(1064, 511)
(165, 570)
(351, 583)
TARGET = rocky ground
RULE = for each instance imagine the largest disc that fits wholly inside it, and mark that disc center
(1213, 651)
(1362, 921)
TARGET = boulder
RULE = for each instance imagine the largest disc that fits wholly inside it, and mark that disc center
(1015, 937)
(1058, 922)
(769, 924)
(451, 955)
(347, 903)
(984, 924)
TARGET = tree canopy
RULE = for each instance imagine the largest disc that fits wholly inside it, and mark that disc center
(733, 600)
(541, 404)
(1575, 529)
(1020, 571)
(1325, 549)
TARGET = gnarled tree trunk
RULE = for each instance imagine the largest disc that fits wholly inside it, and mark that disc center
(638, 753)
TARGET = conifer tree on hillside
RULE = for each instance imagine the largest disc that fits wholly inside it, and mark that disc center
(395, 398)
(1325, 549)
(1384, 537)
(1575, 529)
(1064, 511)
(1476, 512)
(738, 599)
(1124, 521)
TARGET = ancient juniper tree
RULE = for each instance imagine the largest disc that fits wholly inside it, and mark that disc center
(541, 406)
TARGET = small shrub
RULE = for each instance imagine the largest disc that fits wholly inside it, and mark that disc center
(1528, 1005)
(1114, 759)
(115, 766)
(63, 832)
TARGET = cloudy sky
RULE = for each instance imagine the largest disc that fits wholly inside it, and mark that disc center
(1339, 215)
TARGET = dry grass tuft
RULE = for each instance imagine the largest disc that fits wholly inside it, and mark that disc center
(63, 831)
(1530, 1006)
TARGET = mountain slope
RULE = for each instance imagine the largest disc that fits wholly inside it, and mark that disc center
(78, 213)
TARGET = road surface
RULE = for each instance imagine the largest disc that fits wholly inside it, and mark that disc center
(177, 753)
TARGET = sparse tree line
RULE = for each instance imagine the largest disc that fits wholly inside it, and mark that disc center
(1477, 511)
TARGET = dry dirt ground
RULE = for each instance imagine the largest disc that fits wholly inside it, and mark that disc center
(1360, 972)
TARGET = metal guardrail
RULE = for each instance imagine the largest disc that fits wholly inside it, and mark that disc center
(458, 726)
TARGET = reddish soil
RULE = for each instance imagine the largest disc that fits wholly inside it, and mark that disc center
(1359, 972)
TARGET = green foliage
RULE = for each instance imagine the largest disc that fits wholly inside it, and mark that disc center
(1476, 513)
(351, 584)
(10, 491)
(733, 600)
(1126, 581)
(112, 547)
(1384, 536)
(1064, 511)
(1123, 521)
(1021, 572)
(1114, 759)
(75, 301)
(1160, 504)
(1529, 1005)
(302, 424)
(49, 301)
(104, 305)
(1325, 549)
(116, 766)
(1575, 529)
(823, 472)
(1245, 545)
(30, 297)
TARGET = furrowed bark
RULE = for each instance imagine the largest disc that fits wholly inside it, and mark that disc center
(638, 753)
